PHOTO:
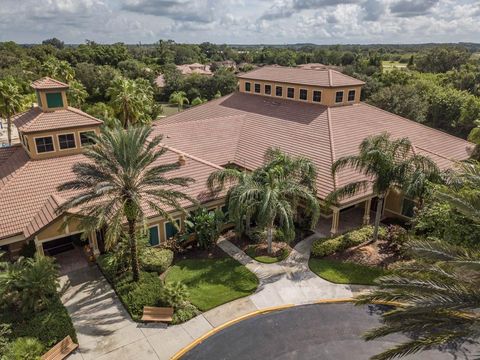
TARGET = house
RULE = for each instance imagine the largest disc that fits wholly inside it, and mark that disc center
(314, 113)
(195, 68)
(53, 136)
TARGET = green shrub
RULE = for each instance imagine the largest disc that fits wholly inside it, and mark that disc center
(135, 295)
(28, 249)
(184, 314)
(107, 265)
(175, 294)
(206, 225)
(24, 348)
(157, 260)
(325, 247)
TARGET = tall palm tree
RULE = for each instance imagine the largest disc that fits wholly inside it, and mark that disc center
(438, 300)
(122, 178)
(179, 98)
(11, 102)
(272, 193)
(127, 99)
(386, 164)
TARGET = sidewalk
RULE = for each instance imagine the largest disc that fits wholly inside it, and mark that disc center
(106, 332)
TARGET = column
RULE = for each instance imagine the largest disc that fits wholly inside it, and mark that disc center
(93, 243)
(335, 220)
(39, 246)
(366, 214)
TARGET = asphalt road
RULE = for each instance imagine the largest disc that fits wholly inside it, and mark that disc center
(322, 331)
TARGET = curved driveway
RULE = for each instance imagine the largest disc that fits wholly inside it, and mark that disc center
(321, 331)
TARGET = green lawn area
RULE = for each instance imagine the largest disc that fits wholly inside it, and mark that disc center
(264, 258)
(213, 282)
(169, 109)
(345, 272)
(390, 65)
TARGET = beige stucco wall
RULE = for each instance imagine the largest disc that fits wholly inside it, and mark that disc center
(43, 99)
(394, 204)
(30, 138)
(328, 94)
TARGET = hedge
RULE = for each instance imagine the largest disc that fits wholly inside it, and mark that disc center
(329, 246)
(157, 260)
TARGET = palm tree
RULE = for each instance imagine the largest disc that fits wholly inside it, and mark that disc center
(11, 102)
(77, 93)
(179, 98)
(123, 177)
(438, 300)
(272, 193)
(127, 99)
(386, 164)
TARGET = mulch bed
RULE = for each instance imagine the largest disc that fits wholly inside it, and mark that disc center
(278, 249)
(197, 253)
(375, 254)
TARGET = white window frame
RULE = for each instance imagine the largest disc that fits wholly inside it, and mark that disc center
(41, 137)
(260, 89)
(288, 97)
(159, 237)
(271, 89)
(165, 226)
(80, 137)
(343, 96)
(351, 101)
(299, 92)
(321, 95)
(245, 86)
(74, 139)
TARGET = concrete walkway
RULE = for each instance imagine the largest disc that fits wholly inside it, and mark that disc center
(106, 332)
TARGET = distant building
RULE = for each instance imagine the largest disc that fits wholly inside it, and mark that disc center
(195, 68)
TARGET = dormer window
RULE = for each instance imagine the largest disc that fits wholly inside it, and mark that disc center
(303, 94)
(351, 95)
(317, 96)
(257, 88)
(66, 141)
(268, 89)
(86, 138)
(54, 100)
(44, 144)
(247, 86)
(339, 96)
(290, 93)
(279, 91)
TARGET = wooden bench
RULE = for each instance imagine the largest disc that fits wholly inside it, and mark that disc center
(157, 314)
(61, 350)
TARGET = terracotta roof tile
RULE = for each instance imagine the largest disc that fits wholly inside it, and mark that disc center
(36, 120)
(313, 77)
(48, 83)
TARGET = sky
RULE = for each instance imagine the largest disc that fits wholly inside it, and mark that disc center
(241, 21)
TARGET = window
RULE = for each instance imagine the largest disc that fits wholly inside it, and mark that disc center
(247, 86)
(171, 230)
(268, 89)
(291, 93)
(54, 100)
(44, 144)
(351, 95)
(317, 96)
(303, 94)
(278, 91)
(257, 88)
(66, 141)
(86, 138)
(154, 238)
(339, 97)
(407, 208)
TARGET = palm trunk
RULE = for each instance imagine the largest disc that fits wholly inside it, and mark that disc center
(9, 130)
(269, 239)
(378, 215)
(133, 250)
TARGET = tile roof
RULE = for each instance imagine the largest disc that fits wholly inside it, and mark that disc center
(313, 77)
(48, 83)
(29, 194)
(35, 119)
(239, 128)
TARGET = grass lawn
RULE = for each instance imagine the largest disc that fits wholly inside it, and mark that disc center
(213, 282)
(169, 109)
(345, 272)
(265, 258)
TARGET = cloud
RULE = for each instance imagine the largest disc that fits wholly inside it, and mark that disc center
(285, 9)
(412, 8)
(373, 9)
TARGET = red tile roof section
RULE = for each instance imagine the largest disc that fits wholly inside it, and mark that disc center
(35, 120)
(46, 83)
(45, 215)
(322, 78)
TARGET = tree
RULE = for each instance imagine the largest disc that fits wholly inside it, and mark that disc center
(442, 59)
(387, 163)
(270, 194)
(10, 103)
(179, 98)
(77, 93)
(58, 69)
(122, 177)
(54, 42)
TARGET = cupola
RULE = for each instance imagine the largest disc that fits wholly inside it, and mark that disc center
(51, 94)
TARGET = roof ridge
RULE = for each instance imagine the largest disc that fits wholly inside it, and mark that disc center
(432, 152)
(332, 149)
(239, 137)
(201, 120)
(415, 122)
(83, 113)
(330, 80)
(180, 152)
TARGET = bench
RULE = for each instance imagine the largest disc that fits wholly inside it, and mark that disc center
(157, 314)
(61, 350)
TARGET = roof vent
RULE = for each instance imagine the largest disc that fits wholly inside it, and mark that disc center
(182, 160)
